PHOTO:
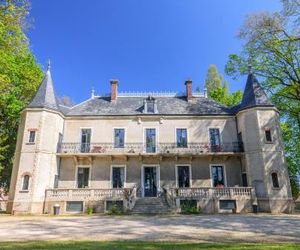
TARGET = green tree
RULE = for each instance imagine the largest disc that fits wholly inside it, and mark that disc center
(20, 76)
(272, 47)
(218, 89)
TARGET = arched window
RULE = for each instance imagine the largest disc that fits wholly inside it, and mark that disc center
(25, 185)
(275, 181)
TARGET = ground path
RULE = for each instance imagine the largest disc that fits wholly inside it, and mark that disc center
(201, 228)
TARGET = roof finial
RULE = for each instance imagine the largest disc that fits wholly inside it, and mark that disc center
(250, 69)
(49, 65)
(93, 93)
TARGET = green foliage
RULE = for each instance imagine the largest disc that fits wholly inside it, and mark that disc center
(89, 210)
(272, 47)
(19, 78)
(189, 207)
(115, 209)
(218, 89)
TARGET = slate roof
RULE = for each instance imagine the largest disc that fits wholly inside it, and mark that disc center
(134, 106)
(254, 95)
(45, 96)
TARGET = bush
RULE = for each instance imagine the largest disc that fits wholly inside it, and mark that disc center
(189, 207)
(115, 207)
(89, 210)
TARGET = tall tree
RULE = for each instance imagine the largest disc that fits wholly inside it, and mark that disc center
(19, 77)
(218, 89)
(272, 47)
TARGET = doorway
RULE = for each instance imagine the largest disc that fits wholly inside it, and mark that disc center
(150, 180)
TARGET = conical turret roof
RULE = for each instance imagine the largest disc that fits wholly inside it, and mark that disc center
(45, 96)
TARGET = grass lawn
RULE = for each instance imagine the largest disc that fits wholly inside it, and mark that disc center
(119, 245)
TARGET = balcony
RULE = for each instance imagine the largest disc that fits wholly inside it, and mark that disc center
(140, 148)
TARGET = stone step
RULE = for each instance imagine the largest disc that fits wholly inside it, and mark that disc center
(151, 205)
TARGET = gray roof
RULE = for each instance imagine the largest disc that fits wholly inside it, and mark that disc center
(45, 96)
(134, 106)
(254, 95)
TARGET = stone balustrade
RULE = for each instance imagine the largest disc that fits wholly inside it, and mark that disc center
(140, 148)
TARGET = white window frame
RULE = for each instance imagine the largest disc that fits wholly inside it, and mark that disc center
(176, 173)
(278, 179)
(157, 166)
(29, 131)
(76, 174)
(224, 172)
(111, 174)
(80, 133)
(218, 127)
(113, 136)
(187, 135)
(156, 139)
(22, 182)
(271, 134)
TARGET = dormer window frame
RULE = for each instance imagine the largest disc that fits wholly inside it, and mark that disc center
(150, 100)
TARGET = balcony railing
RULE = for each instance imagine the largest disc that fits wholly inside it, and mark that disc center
(209, 192)
(82, 194)
(140, 148)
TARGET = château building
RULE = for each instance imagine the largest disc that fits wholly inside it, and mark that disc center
(149, 152)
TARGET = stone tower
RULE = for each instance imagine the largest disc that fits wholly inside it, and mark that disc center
(265, 166)
(35, 165)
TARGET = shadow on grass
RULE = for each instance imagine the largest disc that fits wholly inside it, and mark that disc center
(149, 245)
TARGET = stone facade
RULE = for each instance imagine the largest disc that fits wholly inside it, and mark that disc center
(250, 160)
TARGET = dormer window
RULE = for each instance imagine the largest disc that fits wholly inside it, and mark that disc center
(150, 105)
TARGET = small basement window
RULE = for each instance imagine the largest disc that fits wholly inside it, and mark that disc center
(227, 204)
(74, 206)
(268, 135)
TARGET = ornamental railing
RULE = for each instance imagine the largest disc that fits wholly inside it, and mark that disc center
(209, 192)
(81, 194)
(139, 148)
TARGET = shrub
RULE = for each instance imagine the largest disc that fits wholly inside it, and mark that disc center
(89, 210)
(189, 207)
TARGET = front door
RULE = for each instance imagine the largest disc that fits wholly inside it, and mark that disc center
(150, 182)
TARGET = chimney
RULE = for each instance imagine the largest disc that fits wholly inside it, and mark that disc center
(114, 90)
(189, 94)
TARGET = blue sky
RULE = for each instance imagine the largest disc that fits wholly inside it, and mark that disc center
(147, 45)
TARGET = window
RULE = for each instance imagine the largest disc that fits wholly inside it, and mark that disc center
(183, 176)
(150, 134)
(85, 140)
(25, 185)
(217, 174)
(83, 177)
(181, 137)
(118, 177)
(150, 105)
(215, 141)
(244, 180)
(275, 181)
(31, 136)
(268, 135)
(119, 137)
(227, 204)
(74, 206)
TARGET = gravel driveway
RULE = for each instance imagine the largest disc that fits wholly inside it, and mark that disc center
(202, 228)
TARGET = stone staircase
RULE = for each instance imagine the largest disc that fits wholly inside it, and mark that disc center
(151, 205)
